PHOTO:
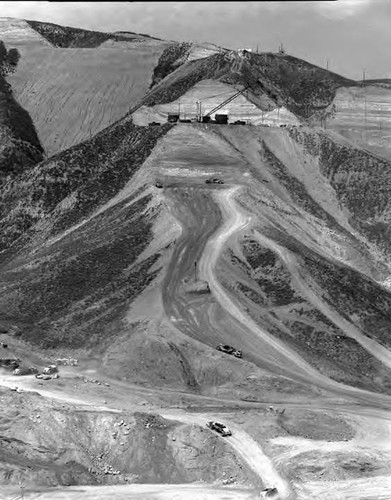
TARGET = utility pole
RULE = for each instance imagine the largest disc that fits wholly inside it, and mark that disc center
(195, 271)
(327, 65)
(365, 106)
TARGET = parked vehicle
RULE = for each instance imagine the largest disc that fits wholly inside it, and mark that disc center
(269, 493)
(24, 370)
(229, 350)
(220, 428)
(50, 369)
(214, 180)
(4, 346)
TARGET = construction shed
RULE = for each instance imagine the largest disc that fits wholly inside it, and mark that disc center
(172, 118)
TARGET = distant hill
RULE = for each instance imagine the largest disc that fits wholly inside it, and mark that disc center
(65, 36)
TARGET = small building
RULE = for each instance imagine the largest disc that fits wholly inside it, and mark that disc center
(221, 119)
(206, 119)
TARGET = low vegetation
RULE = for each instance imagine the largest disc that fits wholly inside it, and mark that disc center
(288, 315)
(172, 57)
(65, 36)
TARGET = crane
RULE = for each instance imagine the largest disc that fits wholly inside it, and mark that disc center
(227, 101)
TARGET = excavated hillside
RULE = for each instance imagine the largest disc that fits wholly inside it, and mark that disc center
(141, 249)
(304, 89)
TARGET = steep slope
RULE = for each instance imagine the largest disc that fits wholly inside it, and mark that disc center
(17, 32)
(363, 115)
(73, 92)
(59, 194)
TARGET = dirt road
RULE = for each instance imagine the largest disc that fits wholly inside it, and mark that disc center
(241, 442)
(250, 451)
(134, 491)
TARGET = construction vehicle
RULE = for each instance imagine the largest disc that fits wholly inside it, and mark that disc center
(49, 370)
(269, 493)
(25, 371)
(44, 376)
(220, 428)
(214, 180)
(229, 350)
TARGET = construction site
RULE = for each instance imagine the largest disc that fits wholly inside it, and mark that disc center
(195, 289)
(210, 101)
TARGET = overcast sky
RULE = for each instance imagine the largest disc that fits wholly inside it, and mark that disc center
(352, 34)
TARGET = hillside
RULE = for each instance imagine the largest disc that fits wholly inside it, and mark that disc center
(66, 36)
(20, 148)
(301, 87)
(184, 273)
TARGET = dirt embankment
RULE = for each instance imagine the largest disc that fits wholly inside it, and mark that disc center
(47, 444)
